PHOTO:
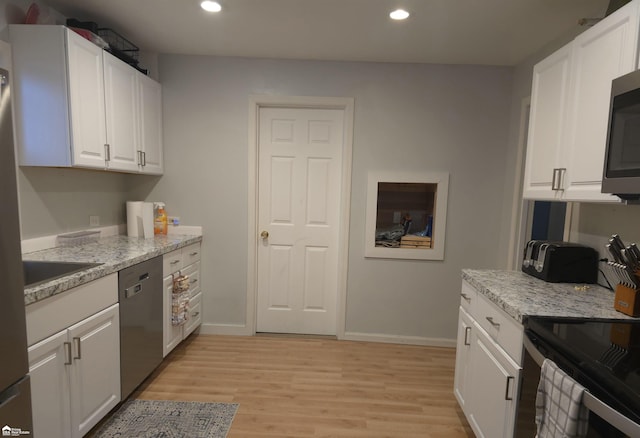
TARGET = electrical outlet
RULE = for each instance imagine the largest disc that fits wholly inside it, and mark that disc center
(173, 220)
(94, 221)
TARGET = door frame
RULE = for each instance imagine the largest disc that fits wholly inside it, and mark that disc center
(256, 102)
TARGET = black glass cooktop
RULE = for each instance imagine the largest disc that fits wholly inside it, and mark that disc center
(603, 356)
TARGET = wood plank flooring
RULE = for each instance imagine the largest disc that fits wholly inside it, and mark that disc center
(302, 387)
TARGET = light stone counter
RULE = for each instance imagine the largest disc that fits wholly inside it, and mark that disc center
(521, 295)
(115, 253)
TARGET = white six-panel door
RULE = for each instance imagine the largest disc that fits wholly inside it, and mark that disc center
(299, 178)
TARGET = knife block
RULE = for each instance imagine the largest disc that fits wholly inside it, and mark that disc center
(627, 300)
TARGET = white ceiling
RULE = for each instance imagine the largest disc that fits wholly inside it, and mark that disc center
(489, 32)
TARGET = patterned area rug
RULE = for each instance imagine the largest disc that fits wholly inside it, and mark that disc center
(169, 419)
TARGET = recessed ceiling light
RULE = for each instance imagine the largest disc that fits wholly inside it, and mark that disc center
(210, 6)
(399, 14)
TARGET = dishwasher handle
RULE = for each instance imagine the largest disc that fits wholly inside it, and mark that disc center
(133, 290)
(136, 288)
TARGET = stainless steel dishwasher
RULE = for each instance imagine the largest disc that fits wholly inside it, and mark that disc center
(140, 296)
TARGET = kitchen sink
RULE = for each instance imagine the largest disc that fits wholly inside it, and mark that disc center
(36, 272)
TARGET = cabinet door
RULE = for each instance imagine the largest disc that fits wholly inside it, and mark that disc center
(121, 114)
(195, 315)
(460, 385)
(172, 334)
(49, 370)
(150, 99)
(493, 393)
(95, 374)
(549, 97)
(600, 54)
(86, 101)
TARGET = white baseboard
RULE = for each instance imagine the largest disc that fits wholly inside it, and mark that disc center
(225, 329)
(396, 339)
(243, 330)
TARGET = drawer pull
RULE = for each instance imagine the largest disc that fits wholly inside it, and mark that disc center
(174, 262)
(67, 353)
(492, 322)
(194, 281)
(195, 315)
(77, 341)
(466, 297)
(506, 392)
(467, 330)
(193, 254)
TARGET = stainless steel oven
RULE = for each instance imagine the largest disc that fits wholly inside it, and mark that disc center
(603, 356)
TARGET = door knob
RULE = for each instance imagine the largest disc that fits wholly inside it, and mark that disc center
(264, 234)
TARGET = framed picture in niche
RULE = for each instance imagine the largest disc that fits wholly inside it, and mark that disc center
(406, 215)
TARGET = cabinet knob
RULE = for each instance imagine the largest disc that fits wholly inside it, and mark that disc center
(264, 234)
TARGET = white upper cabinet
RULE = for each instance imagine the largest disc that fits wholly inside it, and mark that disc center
(548, 107)
(150, 139)
(79, 106)
(569, 110)
(86, 116)
(600, 54)
(120, 91)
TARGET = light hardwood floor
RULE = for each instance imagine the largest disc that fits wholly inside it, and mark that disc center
(315, 387)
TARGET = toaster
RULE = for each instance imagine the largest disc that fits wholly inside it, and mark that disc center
(560, 262)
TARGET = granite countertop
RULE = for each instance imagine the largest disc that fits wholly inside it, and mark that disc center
(115, 253)
(521, 295)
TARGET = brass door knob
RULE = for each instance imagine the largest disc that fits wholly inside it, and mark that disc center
(264, 234)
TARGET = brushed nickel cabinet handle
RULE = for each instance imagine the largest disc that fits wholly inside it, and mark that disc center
(492, 322)
(67, 353)
(466, 297)
(506, 392)
(467, 330)
(77, 343)
(107, 152)
(193, 254)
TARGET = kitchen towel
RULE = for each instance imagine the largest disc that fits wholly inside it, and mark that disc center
(560, 412)
(140, 219)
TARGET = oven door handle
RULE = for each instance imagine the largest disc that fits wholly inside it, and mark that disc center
(610, 415)
(533, 351)
(592, 403)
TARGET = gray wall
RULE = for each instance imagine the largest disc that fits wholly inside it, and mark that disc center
(413, 117)
(54, 201)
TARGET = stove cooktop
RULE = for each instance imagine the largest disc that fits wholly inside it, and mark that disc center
(604, 356)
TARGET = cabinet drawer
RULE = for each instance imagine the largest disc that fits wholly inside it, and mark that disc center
(190, 254)
(195, 315)
(171, 262)
(468, 297)
(193, 272)
(503, 329)
(49, 316)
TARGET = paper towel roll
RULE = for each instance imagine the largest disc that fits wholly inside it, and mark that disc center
(140, 219)
(147, 220)
(134, 219)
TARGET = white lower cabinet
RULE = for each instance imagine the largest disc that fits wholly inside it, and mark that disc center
(185, 261)
(75, 376)
(488, 367)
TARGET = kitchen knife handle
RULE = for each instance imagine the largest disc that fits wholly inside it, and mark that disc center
(78, 343)
(67, 353)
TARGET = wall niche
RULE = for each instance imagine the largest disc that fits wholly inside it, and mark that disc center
(406, 215)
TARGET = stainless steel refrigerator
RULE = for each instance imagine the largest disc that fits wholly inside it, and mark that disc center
(15, 391)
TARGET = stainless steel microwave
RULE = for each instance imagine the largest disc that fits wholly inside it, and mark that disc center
(621, 174)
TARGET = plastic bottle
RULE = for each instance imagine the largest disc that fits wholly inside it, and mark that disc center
(160, 220)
